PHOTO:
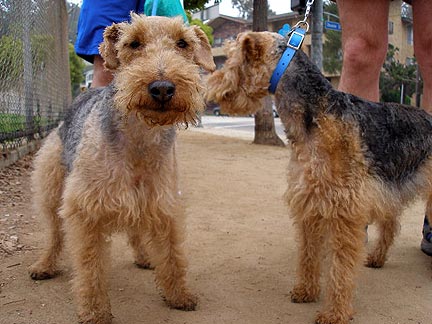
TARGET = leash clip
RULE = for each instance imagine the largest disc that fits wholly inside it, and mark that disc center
(295, 40)
(301, 24)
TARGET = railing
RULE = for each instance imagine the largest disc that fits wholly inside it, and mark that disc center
(406, 13)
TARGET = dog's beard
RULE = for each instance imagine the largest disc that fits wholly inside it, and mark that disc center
(156, 114)
(179, 118)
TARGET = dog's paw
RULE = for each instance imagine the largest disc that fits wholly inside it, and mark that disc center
(144, 265)
(185, 301)
(105, 318)
(41, 273)
(332, 318)
(373, 261)
(300, 295)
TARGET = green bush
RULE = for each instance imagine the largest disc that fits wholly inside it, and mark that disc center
(10, 123)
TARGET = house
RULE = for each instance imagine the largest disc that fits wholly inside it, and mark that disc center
(226, 28)
(401, 30)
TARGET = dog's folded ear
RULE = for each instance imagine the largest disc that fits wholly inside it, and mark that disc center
(203, 56)
(108, 48)
(251, 48)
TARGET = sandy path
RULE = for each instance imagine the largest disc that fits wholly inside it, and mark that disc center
(240, 244)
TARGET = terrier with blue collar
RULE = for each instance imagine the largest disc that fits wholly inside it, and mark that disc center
(352, 161)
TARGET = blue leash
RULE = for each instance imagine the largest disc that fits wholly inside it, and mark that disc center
(154, 8)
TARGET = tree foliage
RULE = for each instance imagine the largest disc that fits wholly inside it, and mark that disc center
(195, 4)
(12, 56)
(245, 7)
(76, 69)
(41, 48)
(393, 75)
(73, 15)
(11, 59)
(332, 48)
(198, 22)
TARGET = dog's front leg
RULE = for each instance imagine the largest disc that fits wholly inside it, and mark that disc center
(346, 242)
(169, 260)
(310, 229)
(89, 248)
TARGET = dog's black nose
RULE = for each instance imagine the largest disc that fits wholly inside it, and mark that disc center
(162, 91)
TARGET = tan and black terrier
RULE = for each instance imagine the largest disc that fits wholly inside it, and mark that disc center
(352, 162)
(111, 165)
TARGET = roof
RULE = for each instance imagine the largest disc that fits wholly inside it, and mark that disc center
(285, 16)
(221, 19)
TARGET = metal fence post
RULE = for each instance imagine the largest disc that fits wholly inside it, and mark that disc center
(28, 69)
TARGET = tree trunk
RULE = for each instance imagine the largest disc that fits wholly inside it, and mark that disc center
(265, 131)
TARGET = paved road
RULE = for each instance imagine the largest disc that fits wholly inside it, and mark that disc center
(235, 126)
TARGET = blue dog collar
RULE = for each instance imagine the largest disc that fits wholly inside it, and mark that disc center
(294, 43)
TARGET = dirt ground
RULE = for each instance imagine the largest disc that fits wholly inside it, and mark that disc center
(240, 244)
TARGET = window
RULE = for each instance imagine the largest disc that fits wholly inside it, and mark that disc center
(410, 35)
(218, 41)
(390, 27)
(410, 61)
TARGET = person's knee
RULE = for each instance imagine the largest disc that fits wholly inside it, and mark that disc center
(422, 52)
(361, 55)
(423, 55)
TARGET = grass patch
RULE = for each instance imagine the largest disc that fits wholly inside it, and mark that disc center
(10, 123)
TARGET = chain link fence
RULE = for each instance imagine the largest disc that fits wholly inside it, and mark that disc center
(34, 70)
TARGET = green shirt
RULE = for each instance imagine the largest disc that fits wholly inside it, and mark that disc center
(167, 8)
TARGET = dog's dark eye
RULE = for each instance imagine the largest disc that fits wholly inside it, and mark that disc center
(182, 43)
(134, 44)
